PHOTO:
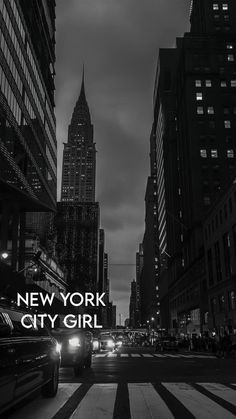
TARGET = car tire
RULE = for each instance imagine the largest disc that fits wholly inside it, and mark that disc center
(88, 361)
(78, 369)
(50, 389)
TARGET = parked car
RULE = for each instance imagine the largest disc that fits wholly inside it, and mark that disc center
(29, 358)
(167, 343)
(76, 348)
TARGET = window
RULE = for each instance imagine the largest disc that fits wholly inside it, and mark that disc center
(230, 57)
(208, 83)
(215, 6)
(206, 201)
(229, 46)
(210, 110)
(203, 153)
(214, 154)
(198, 83)
(227, 258)
(210, 267)
(221, 303)
(230, 154)
(227, 124)
(225, 6)
(232, 300)
(218, 261)
(200, 110)
(199, 96)
(233, 83)
(223, 83)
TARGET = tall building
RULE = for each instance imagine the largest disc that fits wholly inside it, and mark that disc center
(79, 155)
(27, 122)
(133, 307)
(77, 220)
(149, 276)
(139, 269)
(77, 243)
(201, 159)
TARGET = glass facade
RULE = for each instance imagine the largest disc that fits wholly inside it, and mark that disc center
(27, 121)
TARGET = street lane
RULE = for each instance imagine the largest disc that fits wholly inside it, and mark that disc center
(141, 384)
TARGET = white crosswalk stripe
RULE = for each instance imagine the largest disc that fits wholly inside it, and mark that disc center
(197, 403)
(145, 401)
(221, 391)
(152, 355)
(98, 402)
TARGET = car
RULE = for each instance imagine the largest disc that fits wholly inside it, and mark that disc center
(96, 344)
(167, 343)
(107, 343)
(76, 348)
(29, 358)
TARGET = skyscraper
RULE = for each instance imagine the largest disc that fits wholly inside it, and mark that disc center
(79, 156)
(27, 122)
(202, 156)
(77, 218)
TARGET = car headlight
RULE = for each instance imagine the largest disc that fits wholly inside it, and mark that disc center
(119, 343)
(95, 345)
(58, 347)
(74, 342)
(110, 343)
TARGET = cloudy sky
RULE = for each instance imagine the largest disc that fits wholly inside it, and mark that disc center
(118, 41)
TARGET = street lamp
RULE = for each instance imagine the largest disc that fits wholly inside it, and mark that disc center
(4, 255)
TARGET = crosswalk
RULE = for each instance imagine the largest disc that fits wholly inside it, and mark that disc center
(151, 355)
(135, 401)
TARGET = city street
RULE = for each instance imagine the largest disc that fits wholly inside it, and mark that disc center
(138, 383)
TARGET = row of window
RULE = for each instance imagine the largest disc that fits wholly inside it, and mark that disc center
(209, 83)
(10, 97)
(222, 215)
(28, 102)
(217, 6)
(220, 304)
(214, 153)
(33, 63)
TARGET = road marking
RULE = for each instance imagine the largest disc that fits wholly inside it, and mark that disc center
(46, 408)
(135, 355)
(98, 402)
(100, 355)
(198, 404)
(145, 402)
(228, 394)
(124, 355)
(112, 355)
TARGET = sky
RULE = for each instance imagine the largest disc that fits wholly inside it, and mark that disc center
(118, 42)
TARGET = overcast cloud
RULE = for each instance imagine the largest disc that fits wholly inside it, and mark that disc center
(118, 41)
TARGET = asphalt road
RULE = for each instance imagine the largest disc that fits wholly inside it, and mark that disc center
(141, 384)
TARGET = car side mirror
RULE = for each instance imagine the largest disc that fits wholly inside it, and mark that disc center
(5, 330)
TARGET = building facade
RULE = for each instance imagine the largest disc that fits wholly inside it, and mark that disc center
(77, 227)
(220, 251)
(28, 146)
(195, 153)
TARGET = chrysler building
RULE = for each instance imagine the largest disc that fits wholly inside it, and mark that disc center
(79, 155)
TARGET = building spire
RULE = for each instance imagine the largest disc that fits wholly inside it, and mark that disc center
(82, 90)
